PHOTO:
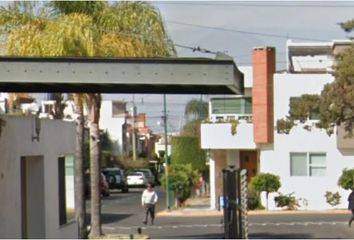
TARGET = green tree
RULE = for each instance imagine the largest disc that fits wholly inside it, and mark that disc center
(124, 29)
(187, 147)
(186, 150)
(266, 182)
(196, 110)
(337, 97)
(182, 179)
(346, 180)
(304, 107)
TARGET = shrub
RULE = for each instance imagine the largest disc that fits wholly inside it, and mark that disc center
(266, 182)
(182, 178)
(289, 201)
(332, 199)
(346, 180)
(253, 199)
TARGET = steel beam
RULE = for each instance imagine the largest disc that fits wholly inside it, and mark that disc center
(120, 75)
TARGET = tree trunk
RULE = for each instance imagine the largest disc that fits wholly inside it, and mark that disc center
(80, 204)
(267, 193)
(94, 112)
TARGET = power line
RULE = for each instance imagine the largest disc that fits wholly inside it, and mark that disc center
(196, 49)
(246, 32)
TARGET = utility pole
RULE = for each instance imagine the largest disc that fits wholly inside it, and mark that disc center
(166, 154)
(133, 130)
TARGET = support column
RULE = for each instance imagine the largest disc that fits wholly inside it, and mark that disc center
(213, 197)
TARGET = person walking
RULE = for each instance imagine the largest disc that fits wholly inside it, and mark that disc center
(351, 206)
(148, 201)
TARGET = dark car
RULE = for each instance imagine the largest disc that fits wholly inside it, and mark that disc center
(104, 187)
(116, 179)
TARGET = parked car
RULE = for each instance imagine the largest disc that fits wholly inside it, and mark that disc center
(116, 179)
(137, 179)
(148, 173)
(104, 187)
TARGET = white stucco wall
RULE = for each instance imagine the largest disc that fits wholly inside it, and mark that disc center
(276, 159)
(219, 136)
(56, 138)
(294, 85)
(113, 125)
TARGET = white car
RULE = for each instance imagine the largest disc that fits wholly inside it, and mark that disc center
(136, 179)
(149, 175)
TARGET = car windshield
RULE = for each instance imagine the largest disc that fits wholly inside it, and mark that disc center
(135, 174)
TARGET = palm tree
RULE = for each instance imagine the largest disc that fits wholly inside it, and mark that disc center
(124, 29)
(195, 111)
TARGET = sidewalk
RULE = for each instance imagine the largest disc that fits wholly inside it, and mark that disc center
(199, 206)
(196, 206)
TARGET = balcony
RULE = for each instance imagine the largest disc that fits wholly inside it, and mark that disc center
(218, 133)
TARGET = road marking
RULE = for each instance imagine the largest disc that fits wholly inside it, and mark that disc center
(162, 227)
(221, 225)
(296, 223)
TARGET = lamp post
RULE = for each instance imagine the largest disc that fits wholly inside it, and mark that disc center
(166, 155)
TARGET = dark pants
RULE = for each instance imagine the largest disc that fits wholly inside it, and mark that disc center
(352, 219)
(149, 209)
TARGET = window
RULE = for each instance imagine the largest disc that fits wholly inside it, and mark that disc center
(66, 189)
(307, 164)
(118, 109)
(242, 105)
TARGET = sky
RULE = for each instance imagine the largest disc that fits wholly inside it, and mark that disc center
(235, 28)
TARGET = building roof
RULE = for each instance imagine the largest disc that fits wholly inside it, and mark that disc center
(313, 57)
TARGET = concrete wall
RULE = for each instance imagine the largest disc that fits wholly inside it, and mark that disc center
(218, 136)
(56, 138)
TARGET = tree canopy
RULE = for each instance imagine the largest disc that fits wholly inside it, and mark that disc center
(337, 98)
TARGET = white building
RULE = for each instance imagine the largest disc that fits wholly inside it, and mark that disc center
(37, 178)
(113, 117)
(309, 163)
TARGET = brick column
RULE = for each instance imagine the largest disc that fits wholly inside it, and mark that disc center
(262, 94)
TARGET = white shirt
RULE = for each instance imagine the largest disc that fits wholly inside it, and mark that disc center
(149, 197)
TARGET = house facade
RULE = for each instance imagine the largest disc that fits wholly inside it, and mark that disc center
(113, 118)
(37, 178)
(307, 160)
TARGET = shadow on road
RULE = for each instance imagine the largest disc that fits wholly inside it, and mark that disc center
(110, 217)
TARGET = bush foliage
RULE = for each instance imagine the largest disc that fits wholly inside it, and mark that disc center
(182, 179)
(289, 201)
(346, 180)
(266, 182)
(333, 199)
(186, 150)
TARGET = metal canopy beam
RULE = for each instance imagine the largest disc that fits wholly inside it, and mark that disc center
(112, 75)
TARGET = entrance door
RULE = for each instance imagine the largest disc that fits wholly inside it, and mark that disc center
(248, 161)
(32, 187)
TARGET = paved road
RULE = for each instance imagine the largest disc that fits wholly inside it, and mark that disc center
(122, 213)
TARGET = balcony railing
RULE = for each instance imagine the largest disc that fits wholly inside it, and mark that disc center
(214, 118)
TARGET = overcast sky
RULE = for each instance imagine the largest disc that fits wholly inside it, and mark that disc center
(236, 27)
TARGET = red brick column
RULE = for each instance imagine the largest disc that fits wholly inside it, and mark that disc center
(262, 94)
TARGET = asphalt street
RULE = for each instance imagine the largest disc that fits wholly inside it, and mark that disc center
(122, 213)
